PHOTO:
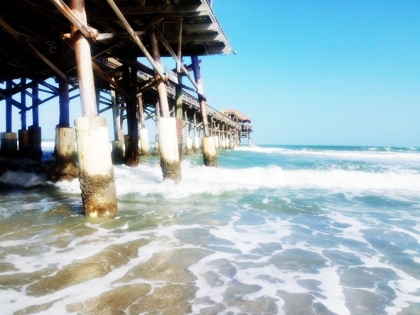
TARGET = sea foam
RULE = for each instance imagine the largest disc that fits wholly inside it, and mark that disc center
(371, 154)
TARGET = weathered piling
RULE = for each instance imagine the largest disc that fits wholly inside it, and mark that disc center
(231, 144)
(65, 160)
(179, 115)
(8, 138)
(188, 139)
(209, 150)
(196, 142)
(65, 154)
(117, 154)
(23, 132)
(132, 150)
(144, 134)
(96, 170)
(168, 143)
(8, 144)
(157, 116)
(34, 131)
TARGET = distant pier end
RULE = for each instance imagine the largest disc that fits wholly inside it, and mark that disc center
(244, 121)
(90, 49)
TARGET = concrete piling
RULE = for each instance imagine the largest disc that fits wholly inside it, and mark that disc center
(144, 134)
(96, 170)
(9, 144)
(35, 141)
(156, 145)
(96, 174)
(209, 152)
(117, 154)
(209, 149)
(65, 159)
(34, 131)
(168, 149)
(144, 139)
(23, 139)
(168, 142)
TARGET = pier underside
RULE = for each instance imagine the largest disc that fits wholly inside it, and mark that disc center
(92, 48)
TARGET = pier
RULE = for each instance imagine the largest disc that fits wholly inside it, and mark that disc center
(91, 50)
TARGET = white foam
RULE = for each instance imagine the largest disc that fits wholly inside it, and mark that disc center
(48, 145)
(371, 154)
(147, 180)
(22, 179)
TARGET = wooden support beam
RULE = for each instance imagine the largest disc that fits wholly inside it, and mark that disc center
(203, 106)
(32, 49)
(74, 19)
(136, 39)
(107, 36)
(141, 111)
(200, 9)
(163, 98)
(179, 61)
(35, 106)
(9, 99)
(8, 109)
(188, 88)
(146, 86)
(49, 86)
(83, 63)
(104, 76)
(169, 49)
(200, 38)
(63, 87)
(23, 105)
(198, 27)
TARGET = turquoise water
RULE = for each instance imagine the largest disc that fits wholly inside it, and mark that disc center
(273, 230)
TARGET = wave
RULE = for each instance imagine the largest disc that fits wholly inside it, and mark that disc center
(22, 179)
(371, 153)
(147, 180)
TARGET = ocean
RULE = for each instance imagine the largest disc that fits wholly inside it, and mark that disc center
(272, 230)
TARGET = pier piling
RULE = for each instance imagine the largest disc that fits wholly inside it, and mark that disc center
(209, 150)
(95, 164)
(37, 51)
(144, 134)
(117, 154)
(168, 142)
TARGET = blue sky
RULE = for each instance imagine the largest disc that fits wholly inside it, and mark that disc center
(321, 72)
(312, 72)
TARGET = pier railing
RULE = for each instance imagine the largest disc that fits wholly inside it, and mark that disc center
(187, 98)
(192, 102)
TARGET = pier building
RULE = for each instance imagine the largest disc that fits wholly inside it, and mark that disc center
(91, 49)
